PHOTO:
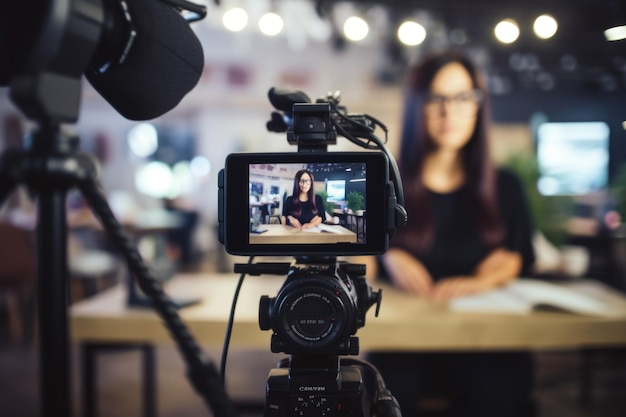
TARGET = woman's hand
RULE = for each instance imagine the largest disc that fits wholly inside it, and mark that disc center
(452, 287)
(294, 222)
(407, 273)
(314, 222)
(498, 268)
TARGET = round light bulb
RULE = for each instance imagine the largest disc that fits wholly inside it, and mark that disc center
(507, 31)
(545, 26)
(235, 19)
(411, 33)
(355, 29)
(271, 24)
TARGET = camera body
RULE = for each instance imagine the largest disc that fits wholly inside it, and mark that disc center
(313, 387)
(314, 317)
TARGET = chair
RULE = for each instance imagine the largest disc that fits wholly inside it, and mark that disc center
(18, 276)
(91, 266)
(275, 212)
(274, 218)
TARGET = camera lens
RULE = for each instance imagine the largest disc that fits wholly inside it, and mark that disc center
(312, 317)
(312, 313)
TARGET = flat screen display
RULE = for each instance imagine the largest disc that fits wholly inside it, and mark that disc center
(573, 157)
(326, 204)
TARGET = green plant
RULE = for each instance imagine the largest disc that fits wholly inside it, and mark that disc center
(549, 214)
(355, 201)
(329, 206)
(618, 191)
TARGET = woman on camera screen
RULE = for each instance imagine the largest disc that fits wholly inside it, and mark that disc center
(303, 209)
(469, 230)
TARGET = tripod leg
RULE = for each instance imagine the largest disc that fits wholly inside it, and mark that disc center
(52, 274)
(52, 268)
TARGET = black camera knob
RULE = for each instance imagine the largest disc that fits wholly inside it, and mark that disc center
(265, 306)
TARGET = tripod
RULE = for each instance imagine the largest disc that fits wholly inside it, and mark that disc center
(50, 164)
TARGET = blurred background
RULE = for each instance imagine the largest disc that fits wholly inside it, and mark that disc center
(556, 71)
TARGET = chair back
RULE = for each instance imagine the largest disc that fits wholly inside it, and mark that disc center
(18, 263)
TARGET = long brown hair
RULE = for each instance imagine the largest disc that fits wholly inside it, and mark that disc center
(415, 145)
(296, 193)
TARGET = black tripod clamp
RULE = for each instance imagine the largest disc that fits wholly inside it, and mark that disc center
(49, 166)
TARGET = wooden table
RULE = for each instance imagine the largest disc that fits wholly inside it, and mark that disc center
(405, 323)
(278, 233)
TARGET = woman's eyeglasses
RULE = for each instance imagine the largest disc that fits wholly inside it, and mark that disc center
(465, 103)
(304, 181)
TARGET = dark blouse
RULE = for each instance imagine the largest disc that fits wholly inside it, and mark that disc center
(458, 247)
(306, 214)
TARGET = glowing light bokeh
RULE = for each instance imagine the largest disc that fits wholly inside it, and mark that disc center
(616, 33)
(143, 140)
(235, 19)
(200, 166)
(545, 26)
(355, 29)
(411, 33)
(507, 31)
(271, 24)
(154, 179)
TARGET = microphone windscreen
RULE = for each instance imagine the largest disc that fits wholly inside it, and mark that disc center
(163, 65)
(284, 100)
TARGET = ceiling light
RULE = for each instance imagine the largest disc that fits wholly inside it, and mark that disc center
(411, 33)
(545, 26)
(235, 19)
(507, 31)
(616, 33)
(355, 29)
(271, 24)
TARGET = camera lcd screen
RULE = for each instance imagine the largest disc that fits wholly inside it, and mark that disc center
(298, 204)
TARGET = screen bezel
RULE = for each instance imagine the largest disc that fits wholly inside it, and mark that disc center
(236, 204)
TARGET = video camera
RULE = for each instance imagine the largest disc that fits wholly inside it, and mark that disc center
(323, 301)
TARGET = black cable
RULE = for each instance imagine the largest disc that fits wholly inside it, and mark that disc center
(201, 371)
(395, 172)
(383, 403)
(229, 325)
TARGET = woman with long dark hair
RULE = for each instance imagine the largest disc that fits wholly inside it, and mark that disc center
(303, 209)
(469, 230)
